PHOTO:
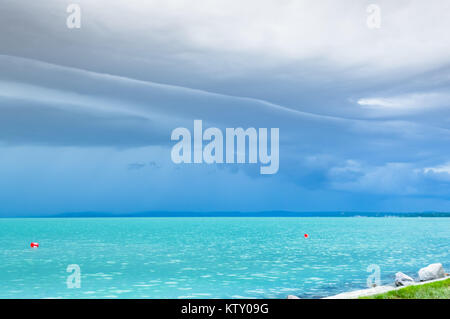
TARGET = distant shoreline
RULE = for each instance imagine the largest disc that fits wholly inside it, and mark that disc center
(273, 214)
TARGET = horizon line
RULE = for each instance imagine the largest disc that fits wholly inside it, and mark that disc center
(254, 214)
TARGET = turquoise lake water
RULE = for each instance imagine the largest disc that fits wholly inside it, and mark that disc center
(213, 257)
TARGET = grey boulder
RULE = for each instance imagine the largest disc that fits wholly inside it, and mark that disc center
(431, 272)
(403, 280)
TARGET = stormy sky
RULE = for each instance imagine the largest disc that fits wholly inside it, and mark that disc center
(86, 114)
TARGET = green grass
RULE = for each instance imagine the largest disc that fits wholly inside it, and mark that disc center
(434, 290)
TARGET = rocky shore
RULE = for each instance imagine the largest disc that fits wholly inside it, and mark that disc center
(431, 273)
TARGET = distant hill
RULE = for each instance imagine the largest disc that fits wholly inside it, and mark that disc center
(251, 214)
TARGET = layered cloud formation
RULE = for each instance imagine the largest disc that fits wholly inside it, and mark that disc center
(86, 114)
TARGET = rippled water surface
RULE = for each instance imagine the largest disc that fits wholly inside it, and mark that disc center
(213, 257)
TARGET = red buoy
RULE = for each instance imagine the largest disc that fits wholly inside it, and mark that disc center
(34, 245)
(306, 235)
